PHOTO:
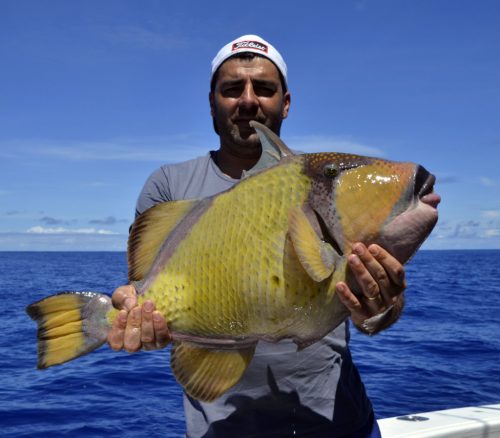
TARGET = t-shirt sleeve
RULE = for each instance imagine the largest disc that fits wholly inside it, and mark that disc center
(155, 190)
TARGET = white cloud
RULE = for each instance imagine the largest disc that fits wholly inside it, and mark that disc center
(62, 242)
(493, 232)
(488, 182)
(315, 143)
(468, 229)
(491, 214)
(60, 230)
(360, 4)
(447, 179)
(468, 234)
(162, 149)
(99, 184)
(110, 220)
(139, 37)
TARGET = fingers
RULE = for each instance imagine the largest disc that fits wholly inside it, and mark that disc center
(392, 282)
(362, 265)
(147, 328)
(353, 304)
(155, 334)
(377, 272)
(136, 327)
(381, 280)
(124, 297)
(392, 267)
(117, 332)
(367, 271)
(162, 335)
(132, 338)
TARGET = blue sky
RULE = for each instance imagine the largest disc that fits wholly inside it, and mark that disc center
(95, 95)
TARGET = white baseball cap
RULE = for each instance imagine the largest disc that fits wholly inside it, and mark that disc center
(254, 44)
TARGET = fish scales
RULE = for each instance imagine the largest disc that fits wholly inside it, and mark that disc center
(228, 285)
(257, 262)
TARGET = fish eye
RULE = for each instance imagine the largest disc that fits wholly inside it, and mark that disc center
(331, 170)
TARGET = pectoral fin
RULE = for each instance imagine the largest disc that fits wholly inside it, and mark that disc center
(206, 374)
(317, 257)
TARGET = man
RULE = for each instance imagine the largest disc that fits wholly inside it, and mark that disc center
(314, 392)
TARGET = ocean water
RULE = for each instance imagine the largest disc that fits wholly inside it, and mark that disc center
(443, 353)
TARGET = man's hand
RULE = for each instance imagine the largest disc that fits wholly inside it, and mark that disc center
(381, 280)
(136, 327)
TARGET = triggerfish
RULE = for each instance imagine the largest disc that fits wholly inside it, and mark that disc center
(259, 261)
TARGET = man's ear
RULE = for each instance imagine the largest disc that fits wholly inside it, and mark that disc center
(211, 99)
(287, 99)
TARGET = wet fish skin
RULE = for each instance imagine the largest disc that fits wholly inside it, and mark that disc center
(257, 262)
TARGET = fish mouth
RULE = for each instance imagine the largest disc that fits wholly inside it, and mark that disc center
(424, 187)
(405, 233)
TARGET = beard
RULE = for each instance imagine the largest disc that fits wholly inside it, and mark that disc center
(244, 136)
(241, 137)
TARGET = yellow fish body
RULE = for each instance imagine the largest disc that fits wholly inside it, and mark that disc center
(257, 262)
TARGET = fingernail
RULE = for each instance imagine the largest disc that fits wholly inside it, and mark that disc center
(123, 316)
(129, 303)
(358, 249)
(354, 260)
(148, 306)
(156, 317)
(373, 250)
(340, 287)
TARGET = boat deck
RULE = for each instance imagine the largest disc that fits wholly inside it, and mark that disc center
(468, 422)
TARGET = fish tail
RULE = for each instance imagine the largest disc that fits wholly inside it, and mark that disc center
(70, 324)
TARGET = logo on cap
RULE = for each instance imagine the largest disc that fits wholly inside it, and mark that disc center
(255, 45)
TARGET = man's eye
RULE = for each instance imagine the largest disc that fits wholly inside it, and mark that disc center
(231, 91)
(264, 91)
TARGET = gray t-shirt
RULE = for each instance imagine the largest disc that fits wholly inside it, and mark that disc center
(315, 392)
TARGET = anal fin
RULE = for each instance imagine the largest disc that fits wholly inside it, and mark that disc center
(206, 374)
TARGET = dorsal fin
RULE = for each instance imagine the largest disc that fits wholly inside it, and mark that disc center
(273, 148)
(149, 231)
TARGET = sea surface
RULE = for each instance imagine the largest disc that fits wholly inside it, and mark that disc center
(443, 353)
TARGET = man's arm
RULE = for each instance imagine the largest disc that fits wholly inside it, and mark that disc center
(381, 279)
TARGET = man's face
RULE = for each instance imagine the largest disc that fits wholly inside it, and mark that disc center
(247, 89)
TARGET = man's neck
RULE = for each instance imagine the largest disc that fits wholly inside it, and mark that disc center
(232, 165)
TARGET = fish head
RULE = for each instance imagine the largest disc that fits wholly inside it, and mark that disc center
(371, 200)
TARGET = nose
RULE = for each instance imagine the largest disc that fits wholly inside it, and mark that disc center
(248, 98)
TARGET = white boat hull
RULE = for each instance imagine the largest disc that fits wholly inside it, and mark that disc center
(469, 422)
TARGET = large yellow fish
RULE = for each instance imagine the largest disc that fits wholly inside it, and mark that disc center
(257, 262)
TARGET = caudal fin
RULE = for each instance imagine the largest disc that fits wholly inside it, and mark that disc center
(70, 324)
